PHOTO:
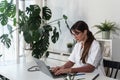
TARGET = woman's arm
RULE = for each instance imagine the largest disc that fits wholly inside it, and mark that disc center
(85, 68)
(68, 64)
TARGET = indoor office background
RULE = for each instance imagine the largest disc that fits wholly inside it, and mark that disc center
(91, 11)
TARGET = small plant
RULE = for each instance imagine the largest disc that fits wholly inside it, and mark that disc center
(107, 26)
(69, 45)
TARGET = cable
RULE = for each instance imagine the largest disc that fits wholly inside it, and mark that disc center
(33, 68)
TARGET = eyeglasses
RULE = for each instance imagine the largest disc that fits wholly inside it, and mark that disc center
(75, 33)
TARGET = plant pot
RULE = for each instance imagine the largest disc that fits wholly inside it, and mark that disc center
(69, 50)
(106, 34)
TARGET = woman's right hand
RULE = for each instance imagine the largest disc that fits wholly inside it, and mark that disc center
(54, 69)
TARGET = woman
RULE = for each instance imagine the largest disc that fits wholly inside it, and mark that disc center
(86, 53)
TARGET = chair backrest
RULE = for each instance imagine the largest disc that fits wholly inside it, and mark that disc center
(111, 66)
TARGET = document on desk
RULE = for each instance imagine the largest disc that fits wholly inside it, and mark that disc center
(86, 76)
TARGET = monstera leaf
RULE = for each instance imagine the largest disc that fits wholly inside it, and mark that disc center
(5, 40)
(8, 10)
(11, 10)
(3, 19)
(33, 10)
(34, 19)
(55, 36)
(41, 46)
(46, 13)
(3, 5)
(28, 36)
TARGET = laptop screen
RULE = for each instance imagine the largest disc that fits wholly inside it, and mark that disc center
(43, 67)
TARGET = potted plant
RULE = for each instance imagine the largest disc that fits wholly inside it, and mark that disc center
(69, 46)
(106, 28)
(37, 30)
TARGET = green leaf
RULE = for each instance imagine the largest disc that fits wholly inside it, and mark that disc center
(11, 10)
(3, 5)
(47, 54)
(5, 40)
(8, 9)
(36, 35)
(36, 53)
(33, 10)
(0, 55)
(47, 14)
(55, 36)
(42, 45)
(14, 21)
(28, 37)
(23, 24)
(65, 17)
(34, 22)
(3, 19)
(34, 19)
(47, 28)
(9, 27)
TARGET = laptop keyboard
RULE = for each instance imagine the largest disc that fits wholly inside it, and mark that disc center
(58, 76)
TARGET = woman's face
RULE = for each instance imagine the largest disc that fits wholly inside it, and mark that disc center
(78, 35)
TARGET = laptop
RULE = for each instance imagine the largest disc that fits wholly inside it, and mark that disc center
(46, 69)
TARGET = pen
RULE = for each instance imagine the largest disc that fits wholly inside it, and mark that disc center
(95, 77)
(79, 74)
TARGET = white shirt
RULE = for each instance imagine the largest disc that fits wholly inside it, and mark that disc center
(94, 56)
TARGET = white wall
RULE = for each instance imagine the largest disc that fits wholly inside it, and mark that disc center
(96, 11)
(73, 11)
(92, 11)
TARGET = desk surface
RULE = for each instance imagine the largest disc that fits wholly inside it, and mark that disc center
(20, 72)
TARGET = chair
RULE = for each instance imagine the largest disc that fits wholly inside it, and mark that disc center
(3, 77)
(110, 66)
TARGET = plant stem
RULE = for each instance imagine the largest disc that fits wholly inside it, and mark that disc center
(55, 20)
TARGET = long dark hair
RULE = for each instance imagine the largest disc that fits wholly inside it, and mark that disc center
(81, 26)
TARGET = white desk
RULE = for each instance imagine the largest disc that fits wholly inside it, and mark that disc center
(19, 72)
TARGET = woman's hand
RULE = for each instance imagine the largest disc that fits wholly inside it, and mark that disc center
(54, 69)
(62, 71)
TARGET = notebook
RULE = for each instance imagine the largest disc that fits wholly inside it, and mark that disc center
(46, 69)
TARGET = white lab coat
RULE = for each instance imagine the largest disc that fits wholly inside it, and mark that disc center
(94, 56)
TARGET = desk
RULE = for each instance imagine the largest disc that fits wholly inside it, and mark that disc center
(19, 72)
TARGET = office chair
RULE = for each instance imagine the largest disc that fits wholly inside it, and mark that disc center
(3, 77)
(110, 66)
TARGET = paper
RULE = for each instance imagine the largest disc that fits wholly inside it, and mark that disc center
(86, 76)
